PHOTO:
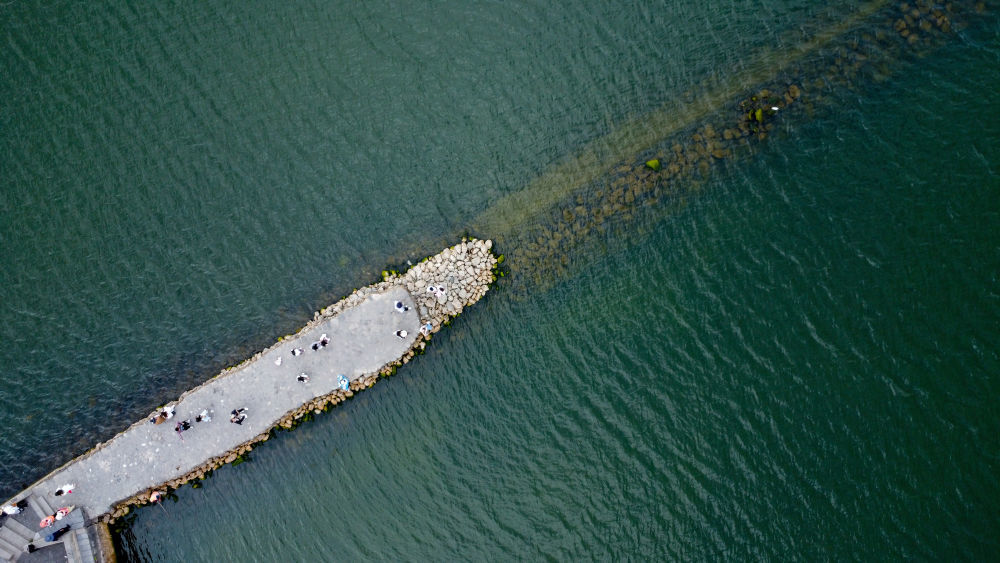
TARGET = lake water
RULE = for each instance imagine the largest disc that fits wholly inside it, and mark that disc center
(791, 354)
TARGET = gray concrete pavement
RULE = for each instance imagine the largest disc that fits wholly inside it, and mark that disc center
(362, 340)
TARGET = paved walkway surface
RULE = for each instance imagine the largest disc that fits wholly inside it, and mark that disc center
(362, 340)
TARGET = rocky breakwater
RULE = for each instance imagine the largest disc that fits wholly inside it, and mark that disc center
(441, 287)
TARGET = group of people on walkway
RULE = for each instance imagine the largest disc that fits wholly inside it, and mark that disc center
(13, 508)
(323, 342)
(59, 515)
(166, 413)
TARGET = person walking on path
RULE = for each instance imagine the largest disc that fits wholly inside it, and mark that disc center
(65, 489)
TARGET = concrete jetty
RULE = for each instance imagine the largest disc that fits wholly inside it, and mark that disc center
(342, 350)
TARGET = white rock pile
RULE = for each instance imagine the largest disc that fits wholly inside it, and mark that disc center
(442, 285)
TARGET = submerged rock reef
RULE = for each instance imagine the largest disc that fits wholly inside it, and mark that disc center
(732, 119)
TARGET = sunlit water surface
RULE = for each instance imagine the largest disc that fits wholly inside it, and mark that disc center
(799, 362)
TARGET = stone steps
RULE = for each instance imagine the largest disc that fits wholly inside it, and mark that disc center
(84, 545)
(20, 529)
(8, 551)
(43, 504)
(72, 548)
(37, 508)
(11, 541)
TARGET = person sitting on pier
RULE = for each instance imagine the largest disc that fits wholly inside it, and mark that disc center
(401, 334)
(203, 416)
(64, 512)
(15, 507)
(65, 489)
(400, 308)
(304, 378)
(238, 415)
(321, 343)
(165, 414)
(155, 496)
(182, 426)
(296, 351)
(57, 534)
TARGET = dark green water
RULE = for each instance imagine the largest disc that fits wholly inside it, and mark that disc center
(799, 362)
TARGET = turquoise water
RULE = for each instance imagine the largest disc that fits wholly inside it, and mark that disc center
(798, 362)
